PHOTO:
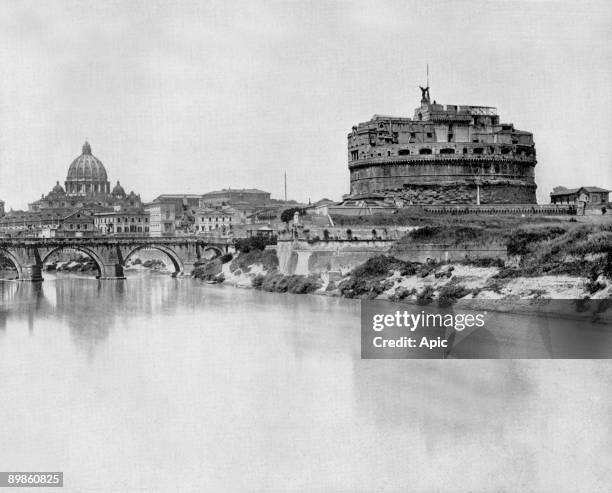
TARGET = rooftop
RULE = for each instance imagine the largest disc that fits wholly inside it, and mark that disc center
(571, 191)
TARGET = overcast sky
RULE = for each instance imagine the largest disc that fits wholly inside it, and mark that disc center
(186, 97)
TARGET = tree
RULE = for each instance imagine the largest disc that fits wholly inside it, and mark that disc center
(287, 214)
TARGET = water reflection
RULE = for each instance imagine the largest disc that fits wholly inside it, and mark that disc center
(126, 386)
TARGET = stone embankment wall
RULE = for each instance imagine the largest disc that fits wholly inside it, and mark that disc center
(303, 257)
(448, 253)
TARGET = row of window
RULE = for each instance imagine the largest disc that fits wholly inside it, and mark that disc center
(216, 219)
(448, 150)
(112, 220)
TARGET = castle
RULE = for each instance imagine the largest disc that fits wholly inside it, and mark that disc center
(443, 155)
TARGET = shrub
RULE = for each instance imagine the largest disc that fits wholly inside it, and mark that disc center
(380, 265)
(257, 281)
(522, 240)
(245, 245)
(267, 258)
(402, 293)
(225, 258)
(279, 283)
(408, 269)
(451, 293)
(287, 214)
(207, 271)
(484, 262)
(425, 296)
(594, 286)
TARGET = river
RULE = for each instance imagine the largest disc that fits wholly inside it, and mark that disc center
(156, 384)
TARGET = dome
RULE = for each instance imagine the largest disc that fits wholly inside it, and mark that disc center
(86, 167)
(58, 188)
(118, 189)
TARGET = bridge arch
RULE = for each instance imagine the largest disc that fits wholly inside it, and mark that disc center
(5, 252)
(176, 260)
(212, 248)
(87, 251)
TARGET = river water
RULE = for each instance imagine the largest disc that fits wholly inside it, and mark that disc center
(157, 384)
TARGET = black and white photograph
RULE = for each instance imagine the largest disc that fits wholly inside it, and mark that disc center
(305, 246)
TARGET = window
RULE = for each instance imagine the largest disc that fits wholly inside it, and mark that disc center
(478, 150)
(404, 152)
(447, 150)
(429, 135)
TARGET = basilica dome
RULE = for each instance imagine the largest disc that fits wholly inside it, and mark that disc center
(118, 190)
(86, 167)
(58, 188)
(86, 174)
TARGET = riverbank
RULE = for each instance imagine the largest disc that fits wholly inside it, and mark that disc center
(385, 277)
(465, 287)
(560, 262)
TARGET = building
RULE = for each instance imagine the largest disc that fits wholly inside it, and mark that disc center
(161, 218)
(216, 220)
(593, 196)
(1, 208)
(362, 207)
(86, 186)
(443, 155)
(321, 207)
(231, 196)
(130, 222)
(182, 202)
(48, 223)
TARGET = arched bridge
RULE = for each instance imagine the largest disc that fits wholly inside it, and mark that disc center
(108, 253)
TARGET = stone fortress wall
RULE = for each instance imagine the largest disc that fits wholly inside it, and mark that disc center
(441, 155)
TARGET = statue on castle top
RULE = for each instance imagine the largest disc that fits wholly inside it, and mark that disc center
(424, 93)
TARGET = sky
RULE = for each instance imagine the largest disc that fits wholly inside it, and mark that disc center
(188, 97)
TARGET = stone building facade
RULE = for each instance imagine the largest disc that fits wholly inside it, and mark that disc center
(594, 196)
(162, 218)
(216, 220)
(251, 196)
(133, 221)
(443, 155)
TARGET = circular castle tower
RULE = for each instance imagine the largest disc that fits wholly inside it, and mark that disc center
(443, 155)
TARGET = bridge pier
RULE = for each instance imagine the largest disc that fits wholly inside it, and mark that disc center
(109, 272)
(187, 269)
(31, 273)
